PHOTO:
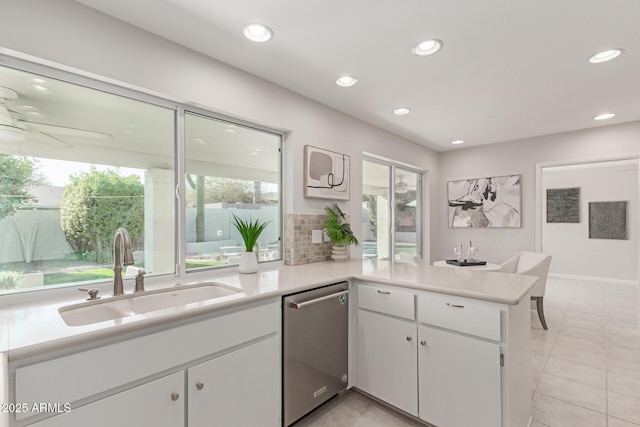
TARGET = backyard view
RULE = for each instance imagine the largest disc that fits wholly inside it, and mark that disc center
(78, 163)
(55, 234)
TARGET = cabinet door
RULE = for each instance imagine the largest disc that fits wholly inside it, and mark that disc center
(459, 379)
(150, 404)
(241, 388)
(387, 365)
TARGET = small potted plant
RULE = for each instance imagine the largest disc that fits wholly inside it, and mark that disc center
(339, 232)
(250, 232)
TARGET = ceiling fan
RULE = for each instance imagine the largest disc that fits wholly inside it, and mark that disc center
(14, 126)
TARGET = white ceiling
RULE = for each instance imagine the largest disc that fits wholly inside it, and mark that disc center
(509, 69)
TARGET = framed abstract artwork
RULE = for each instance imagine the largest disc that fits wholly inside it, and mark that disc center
(326, 174)
(485, 202)
(608, 220)
(563, 205)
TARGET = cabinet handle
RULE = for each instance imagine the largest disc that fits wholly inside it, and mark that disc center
(384, 292)
(423, 343)
(199, 386)
(454, 305)
(409, 339)
(175, 396)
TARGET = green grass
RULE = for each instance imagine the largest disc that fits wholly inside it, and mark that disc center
(200, 264)
(77, 276)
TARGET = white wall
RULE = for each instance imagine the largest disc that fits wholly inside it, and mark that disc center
(521, 157)
(574, 253)
(71, 34)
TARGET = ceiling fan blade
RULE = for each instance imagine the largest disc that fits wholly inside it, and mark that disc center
(49, 140)
(63, 130)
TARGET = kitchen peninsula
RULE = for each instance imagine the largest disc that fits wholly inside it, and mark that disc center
(454, 323)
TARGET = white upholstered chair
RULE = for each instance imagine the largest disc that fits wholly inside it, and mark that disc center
(531, 264)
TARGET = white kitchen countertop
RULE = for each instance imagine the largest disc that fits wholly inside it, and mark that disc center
(29, 329)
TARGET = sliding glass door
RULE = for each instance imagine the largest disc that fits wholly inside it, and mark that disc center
(392, 206)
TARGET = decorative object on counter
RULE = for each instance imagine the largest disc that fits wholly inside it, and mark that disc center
(465, 263)
(608, 220)
(250, 232)
(563, 205)
(457, 253)
(326, 174)
(485, 202)
(339, 231)
(472, 253)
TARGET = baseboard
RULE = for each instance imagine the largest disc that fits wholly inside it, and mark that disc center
(595, 279)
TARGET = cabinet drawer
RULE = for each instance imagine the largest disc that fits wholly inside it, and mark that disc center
(387, 300)
(460, 314)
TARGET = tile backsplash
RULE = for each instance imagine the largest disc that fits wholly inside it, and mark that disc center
(298, 248)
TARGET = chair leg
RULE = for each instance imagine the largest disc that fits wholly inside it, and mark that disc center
(540, 312)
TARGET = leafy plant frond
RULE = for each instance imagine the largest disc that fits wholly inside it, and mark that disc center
(249, 230)
(338, 231)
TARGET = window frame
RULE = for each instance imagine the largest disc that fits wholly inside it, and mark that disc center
(69, 75)
(393, 167)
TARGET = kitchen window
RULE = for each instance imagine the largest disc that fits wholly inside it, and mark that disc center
(229, 170)
(80, 158)
(391, 210)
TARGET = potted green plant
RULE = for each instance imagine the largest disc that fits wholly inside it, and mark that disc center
(339, 232)
(250, 232)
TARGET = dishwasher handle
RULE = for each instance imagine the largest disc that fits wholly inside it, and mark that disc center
(298, 306)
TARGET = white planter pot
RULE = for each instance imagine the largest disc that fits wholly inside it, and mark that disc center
(340, 253)
(248, 263)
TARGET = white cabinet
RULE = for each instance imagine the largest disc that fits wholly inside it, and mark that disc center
(159, 403)
(237, 389)
(387, 360)
(441, 359)
(459, 378)
(235, 354)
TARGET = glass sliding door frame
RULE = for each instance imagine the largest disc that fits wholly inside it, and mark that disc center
(392, 181)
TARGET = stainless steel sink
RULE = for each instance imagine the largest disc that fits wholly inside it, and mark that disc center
(145, 302)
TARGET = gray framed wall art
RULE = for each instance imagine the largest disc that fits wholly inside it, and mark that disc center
(563, 205)
(608, 220)
(326, 174)
(485, 202)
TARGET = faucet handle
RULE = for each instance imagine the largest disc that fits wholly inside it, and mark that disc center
(93, 293)
(140, 280)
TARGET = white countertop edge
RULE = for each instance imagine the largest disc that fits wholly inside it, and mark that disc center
(330, 271)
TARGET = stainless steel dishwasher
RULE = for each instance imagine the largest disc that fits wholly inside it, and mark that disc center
(315, 348)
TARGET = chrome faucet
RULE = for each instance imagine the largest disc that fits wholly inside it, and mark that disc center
(121, 238)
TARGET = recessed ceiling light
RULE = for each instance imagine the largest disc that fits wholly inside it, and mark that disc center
(401, 111)
(604, 116)
(35, 113)
(254, 153)
(346, 81)
(427, 47)
(257, 32)
(227, 130)
(605, 56)
(457, 142)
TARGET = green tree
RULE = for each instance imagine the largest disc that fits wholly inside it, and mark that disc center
(229, 191)
(17, 174)
(94, 205)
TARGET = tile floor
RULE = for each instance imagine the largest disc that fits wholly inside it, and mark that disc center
(585, 368)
